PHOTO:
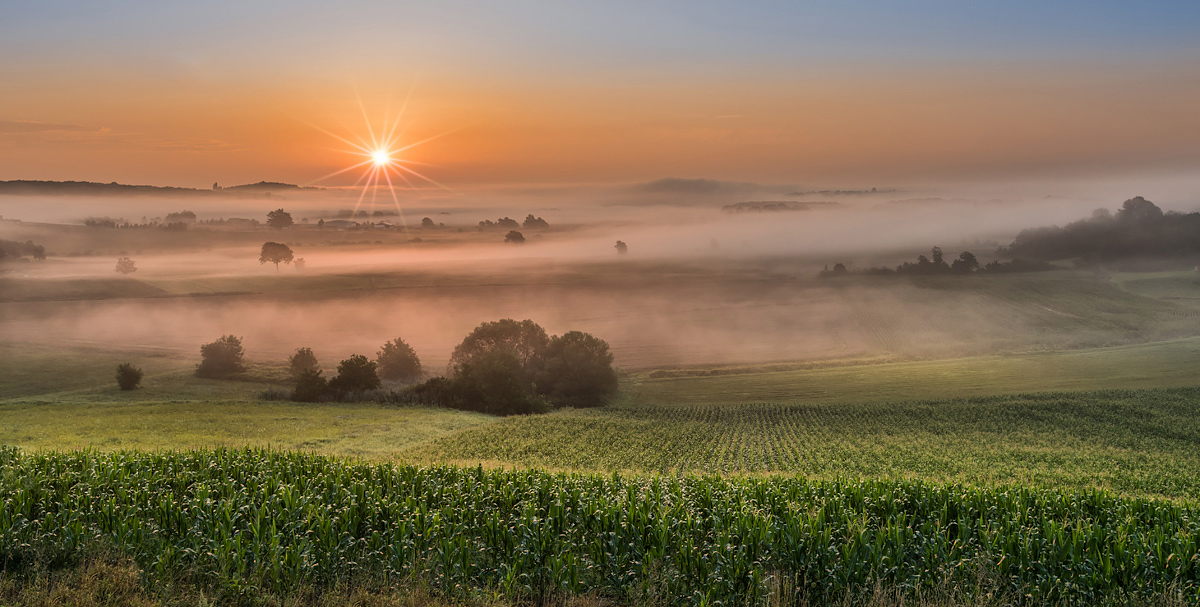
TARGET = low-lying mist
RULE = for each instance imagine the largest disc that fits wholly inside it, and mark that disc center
(697, 286)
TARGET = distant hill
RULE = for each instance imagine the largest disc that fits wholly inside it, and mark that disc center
(767, 206)
(91, 188)
(270, 186)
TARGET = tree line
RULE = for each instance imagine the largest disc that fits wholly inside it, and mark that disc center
(935, 264)
(1138, 229)
(505, 367)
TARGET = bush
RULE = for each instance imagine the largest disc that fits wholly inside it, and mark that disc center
(398, 361)
(303, 360)
(355, 374)
(221, 358)
(310, 387)
(577, 371)
(129, 377)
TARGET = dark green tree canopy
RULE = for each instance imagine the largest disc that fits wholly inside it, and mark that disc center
(221, 358)
(355, 374)
(577, 371)
(525, 339)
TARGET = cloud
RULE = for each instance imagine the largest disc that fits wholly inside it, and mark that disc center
(22, 127)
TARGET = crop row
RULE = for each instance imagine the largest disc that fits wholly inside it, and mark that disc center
(1138, 443)
(245, 521)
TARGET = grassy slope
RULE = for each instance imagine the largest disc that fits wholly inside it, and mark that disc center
(82, 407)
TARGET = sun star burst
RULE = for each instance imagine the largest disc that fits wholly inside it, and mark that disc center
(382, 159)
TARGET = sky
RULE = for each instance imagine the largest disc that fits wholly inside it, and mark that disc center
(520, 92)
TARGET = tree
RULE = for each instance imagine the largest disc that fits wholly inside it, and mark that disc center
(427, 223)
(525, 339)
(495, 382)
(310, 387)
(514, 237)
(221, 358)
(128, 376)
(299, 263)
(965, 264)
(397, 360)
(279, 219)
(275, 253)
(302, 361)
(355, 374)
(577, 371)
(126, 266)
(534, 222)
(621, 247)
(1139, 210)
(839, 268)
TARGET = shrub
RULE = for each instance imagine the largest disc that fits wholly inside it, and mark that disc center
(129, 377)
(303, 360)
(310, 387)
(397, 360)
(577, 371)
(221, 358)
(355, 374)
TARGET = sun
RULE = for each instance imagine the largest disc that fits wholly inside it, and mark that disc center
(381, 153)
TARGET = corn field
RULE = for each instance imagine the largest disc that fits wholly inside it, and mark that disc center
(240, 522)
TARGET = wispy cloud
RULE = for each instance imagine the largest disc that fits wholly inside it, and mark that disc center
(23, 127)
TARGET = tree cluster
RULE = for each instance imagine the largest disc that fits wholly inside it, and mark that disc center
(935, 264)
(181, 216)
(514, 237)
(1138, 229)
(503, 222)
(508, 367)
(12, 250)
(532, 222)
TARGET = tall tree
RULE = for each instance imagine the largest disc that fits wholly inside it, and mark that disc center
(276, 253)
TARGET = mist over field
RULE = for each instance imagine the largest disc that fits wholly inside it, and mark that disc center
(702, 283)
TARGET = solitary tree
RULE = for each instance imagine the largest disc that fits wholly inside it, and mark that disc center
(514, 237)
(279, 219)
(128, 376)
(621, 247)
(221, 358)
(299, 263)
(397, 360)
(427, 223)
(303, 360)
(275, 253)
(126, 266)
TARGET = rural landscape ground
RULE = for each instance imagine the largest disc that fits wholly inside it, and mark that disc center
(776, 438)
